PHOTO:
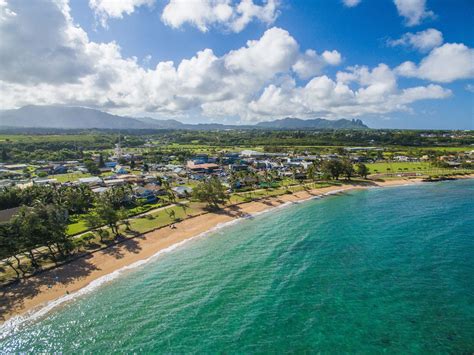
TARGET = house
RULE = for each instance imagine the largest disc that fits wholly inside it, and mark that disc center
(15, 166)
(119, 169)
(201, 167)
(58, 169)
(157, 189)
(132, 179)
(100, 190)
(239, 167)
(91, 181)
(149, 178)
(105, 170)
(251, 153)
(182, 191)
(200, 159)
(401, 158)
(147, 195)
(262, 164)
(45, 182)
(82, 169)
(110, 164)
(71, 163)
(329, 157)
(114, 182)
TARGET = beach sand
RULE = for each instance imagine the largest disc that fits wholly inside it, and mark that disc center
(37, 291)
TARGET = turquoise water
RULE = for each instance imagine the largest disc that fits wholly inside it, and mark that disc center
(381, 270)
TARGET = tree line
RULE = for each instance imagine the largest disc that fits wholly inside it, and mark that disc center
(44, 215)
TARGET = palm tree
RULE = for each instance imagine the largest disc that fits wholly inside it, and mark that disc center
(232, 179)
(124, 218)
(311, 172)
(169, 191)
(171, 214)
(9, 248)
(184, 206)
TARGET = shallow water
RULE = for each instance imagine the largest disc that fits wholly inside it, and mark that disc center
(380, 270)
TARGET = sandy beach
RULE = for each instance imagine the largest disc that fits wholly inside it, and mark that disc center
(37, 291)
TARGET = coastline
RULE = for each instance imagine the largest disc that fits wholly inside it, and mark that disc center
(38, 294)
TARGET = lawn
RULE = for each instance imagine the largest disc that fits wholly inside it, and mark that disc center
(43, 138)
(69, 177)
(161, 218)
(78, 224)
(424, 168)
(62, 178)
(398, 167)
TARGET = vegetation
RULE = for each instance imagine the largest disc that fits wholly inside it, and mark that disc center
(53, 222)
(211, 192)
(32, 227)
(56, 145)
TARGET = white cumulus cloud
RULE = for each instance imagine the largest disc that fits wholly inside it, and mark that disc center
(377, 93)
(203, 14)
(414, 11)
(47, 59)
(310, 63)
(450, 62)
(422, 41)
(105, 9)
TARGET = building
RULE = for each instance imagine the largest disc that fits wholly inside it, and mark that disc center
(201, 167)
(15, 166)
(45, 182)
(91, 181)
(114, 182)
(119, 169)
(182, 191)
(251, 154)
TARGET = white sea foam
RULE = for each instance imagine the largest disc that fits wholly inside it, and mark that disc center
(15, 323)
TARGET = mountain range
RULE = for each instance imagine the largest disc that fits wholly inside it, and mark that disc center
(63, 117)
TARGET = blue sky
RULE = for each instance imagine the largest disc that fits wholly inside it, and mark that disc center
(360, 76)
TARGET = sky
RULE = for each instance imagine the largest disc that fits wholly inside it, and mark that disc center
(391, 63)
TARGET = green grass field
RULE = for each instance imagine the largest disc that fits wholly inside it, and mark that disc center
(161, 218)
(69, 177)
(76, 176)
(36, 138)
(424, 168)
(398, 167)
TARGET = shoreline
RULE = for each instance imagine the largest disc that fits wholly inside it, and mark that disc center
(34, 297)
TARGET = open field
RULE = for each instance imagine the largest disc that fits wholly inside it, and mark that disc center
(398, 167)
(198, 148)
(69, 177)
(40, 138)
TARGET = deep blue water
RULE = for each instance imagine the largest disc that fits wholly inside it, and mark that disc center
(381, 270)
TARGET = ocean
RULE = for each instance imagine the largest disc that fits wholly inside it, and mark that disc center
(384, 270)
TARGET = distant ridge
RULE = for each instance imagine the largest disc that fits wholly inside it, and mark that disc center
(316, 123)
(64, 117)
